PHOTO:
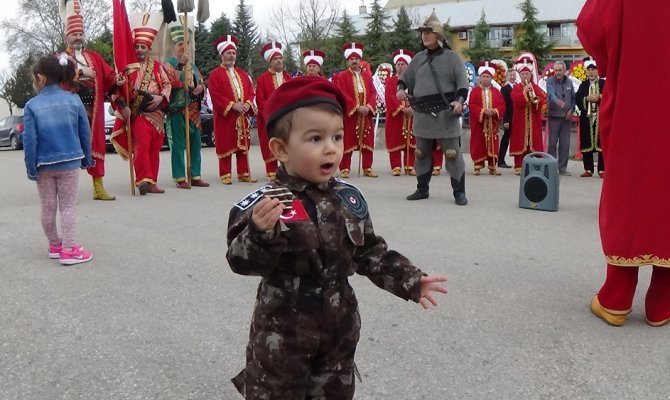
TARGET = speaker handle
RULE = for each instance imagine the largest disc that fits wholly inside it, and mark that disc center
(540, 154)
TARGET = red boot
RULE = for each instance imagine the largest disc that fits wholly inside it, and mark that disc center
(657, 301)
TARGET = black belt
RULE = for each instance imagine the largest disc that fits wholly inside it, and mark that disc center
(432, 103)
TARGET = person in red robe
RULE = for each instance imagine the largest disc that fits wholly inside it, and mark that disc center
(400, 142)
(93, 80)
(358, 126)
(313, 60)
(266, 83)
(634, 211)
(528, 100)
(150, 90)
(487, 107)
(232, 94)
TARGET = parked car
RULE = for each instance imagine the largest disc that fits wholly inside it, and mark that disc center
(11, 132)
(207, 134)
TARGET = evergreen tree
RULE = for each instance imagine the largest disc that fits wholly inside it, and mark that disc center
(345, 29)
(404, 36)
(206, 56)
(245, 31)
(377, 42)
(21, 83)
(256, 63)
(531, 39)
(103, 45)
(481, 49)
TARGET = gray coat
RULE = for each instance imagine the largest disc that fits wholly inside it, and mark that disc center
(419, 82)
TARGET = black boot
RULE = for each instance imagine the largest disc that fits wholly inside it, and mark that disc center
(422, 182)
(459, 190)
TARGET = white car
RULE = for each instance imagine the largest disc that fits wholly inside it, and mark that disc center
(109, 125)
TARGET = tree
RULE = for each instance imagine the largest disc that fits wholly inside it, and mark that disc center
(6, 87)
(245, 31)
(481, 49)
(40, 29)
(345, 32)
(103, 45)
(377, 35)
(404, 36)
(19, 88)
(136, 6)
(345, 29)
(531, 39)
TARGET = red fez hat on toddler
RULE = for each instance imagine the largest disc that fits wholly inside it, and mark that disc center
(486, 68)
(300, 92)
(314, 57)
(353, 50)
(270, 50)
(225, 42)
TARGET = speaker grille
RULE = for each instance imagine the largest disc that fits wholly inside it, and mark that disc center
(535, 189)
(546, 171)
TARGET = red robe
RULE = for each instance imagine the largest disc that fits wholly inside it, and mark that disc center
(353, 123)
(526, 135)
(104, 81)
(398, 125)
(231, 129)
(484, 129)
(265, 85)
(634, 210)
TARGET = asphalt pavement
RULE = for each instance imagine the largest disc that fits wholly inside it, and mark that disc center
(158, 314)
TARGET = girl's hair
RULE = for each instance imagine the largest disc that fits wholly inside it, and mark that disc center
(57, 69)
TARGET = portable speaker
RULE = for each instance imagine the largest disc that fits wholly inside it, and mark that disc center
(539, 182)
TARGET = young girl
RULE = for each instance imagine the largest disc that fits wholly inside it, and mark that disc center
(57, 144)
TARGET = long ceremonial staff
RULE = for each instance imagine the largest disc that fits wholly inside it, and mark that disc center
(186, 7)
(360, 130)
(129, 132)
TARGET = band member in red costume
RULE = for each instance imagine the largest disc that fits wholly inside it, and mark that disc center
(528, 100)
(266, 83)
(487, 107)
(361, 106)
(232, 93)
(634, 211)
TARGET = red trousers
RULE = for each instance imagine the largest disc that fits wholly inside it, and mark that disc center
(147, 147)
(617, 292)
(402, 157)
(225, 163)
(345, 164)
(98, 170)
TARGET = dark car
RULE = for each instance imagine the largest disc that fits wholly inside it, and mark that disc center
(11, 132)
(207, 134)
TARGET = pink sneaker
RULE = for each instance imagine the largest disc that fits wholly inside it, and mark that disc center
(76, 256)
(54, 251)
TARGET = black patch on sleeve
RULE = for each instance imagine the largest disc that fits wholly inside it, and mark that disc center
(353, 201)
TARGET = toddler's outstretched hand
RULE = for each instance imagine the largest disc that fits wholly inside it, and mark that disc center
(266, 213)
(428, 285)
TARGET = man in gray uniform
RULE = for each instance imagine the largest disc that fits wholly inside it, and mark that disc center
(437, 85)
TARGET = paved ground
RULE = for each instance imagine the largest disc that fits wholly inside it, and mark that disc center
(158, 314)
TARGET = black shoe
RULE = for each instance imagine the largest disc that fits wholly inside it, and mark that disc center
(418, 195)
(461, 200)
(144, 188)
(504, 165)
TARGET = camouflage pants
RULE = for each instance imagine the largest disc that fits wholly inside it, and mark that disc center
(301, 346)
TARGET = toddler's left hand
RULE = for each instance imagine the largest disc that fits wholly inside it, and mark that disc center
(428, 285)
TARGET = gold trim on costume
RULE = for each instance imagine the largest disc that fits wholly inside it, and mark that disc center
(644, 259)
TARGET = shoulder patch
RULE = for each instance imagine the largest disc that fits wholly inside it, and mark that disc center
(353, 200)
(252, 198)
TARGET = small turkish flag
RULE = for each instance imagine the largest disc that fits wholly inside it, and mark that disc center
(295, 213)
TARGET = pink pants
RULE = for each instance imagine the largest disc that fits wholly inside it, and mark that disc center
(58, 190)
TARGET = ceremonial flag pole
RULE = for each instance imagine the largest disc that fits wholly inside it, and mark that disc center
(186, 6)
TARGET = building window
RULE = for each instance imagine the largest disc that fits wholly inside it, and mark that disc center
(499, 36)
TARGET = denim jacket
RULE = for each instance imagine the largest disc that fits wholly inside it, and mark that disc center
(560, 90)
(56, 130)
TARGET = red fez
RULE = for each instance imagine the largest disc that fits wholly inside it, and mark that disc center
(486, 68)
(524, 64)
(300, 92)
(314, 57)
(270, 50)
(353, 50)
(225, 42)
(402, 54)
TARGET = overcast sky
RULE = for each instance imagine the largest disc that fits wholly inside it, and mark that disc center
(260, 8)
